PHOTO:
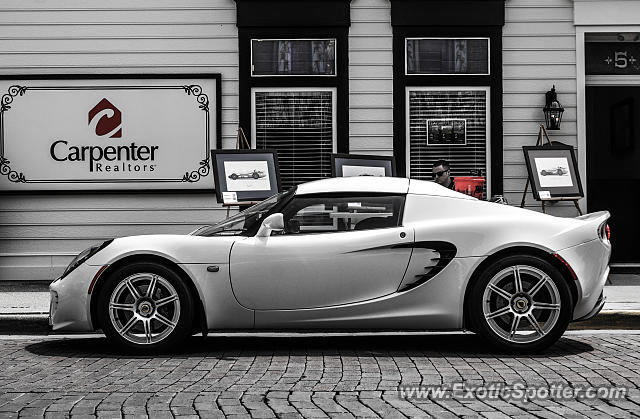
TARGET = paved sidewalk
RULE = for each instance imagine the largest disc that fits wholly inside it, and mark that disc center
(28, 305)
(322, 377)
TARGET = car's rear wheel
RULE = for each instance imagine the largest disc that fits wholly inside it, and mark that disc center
(520, 304)
(145, 307)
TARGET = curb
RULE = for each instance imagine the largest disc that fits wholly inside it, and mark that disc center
(38, 323)
(24, 324)
(610, 319)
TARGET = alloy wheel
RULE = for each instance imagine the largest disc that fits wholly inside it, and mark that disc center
(521, 304)
(144, 308)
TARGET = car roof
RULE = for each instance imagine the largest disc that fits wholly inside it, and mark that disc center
(395, 185)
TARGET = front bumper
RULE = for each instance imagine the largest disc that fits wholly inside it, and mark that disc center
(70, 304)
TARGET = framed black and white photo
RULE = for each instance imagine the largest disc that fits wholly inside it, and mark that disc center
(553, 172)
(348, 165)
(446, 132)
(245, 175)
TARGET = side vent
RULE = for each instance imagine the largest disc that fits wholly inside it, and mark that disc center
(442, 253)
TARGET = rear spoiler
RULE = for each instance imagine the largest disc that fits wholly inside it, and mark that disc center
(601, 216)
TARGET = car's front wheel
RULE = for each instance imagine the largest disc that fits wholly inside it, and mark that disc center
(145, 307)
(520, 304)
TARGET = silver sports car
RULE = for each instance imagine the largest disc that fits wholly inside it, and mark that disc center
(360, 253)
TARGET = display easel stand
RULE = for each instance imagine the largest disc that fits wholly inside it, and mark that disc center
(241, 205)
(542, 131)
(241, 143)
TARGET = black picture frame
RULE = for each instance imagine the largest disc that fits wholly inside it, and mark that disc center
(553, 172)
(338, 161)
(223, 179)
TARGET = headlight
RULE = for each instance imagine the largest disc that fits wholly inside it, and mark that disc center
(83, 256)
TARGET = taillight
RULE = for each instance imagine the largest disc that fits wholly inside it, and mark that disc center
(605, 232)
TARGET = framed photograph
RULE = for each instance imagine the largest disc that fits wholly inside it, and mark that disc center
(446, 132)
(348, 165)
(553, 172)
(245, 175)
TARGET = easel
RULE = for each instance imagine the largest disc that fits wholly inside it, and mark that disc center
(241, 143)
(539, 142)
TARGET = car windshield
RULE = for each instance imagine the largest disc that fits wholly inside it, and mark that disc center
(246, 221)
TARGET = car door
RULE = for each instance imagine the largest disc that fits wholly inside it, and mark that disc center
(334, 250)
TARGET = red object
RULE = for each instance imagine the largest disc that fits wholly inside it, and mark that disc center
(565, 263)
(608, 232)
(470, 185)
(95, 278)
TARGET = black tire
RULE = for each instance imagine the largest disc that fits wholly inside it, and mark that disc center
(485, 304)
(176, 305)
(233, 176)
(256, 175)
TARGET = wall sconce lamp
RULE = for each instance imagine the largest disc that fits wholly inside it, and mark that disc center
(552, 110)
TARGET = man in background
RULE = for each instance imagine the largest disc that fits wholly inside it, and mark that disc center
(442, 174)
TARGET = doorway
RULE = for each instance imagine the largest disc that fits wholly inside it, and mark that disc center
(613, 164)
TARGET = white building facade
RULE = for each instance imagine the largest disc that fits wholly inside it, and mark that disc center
(373, 84)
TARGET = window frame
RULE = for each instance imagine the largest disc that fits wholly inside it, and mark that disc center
(334, 114)
(358, 195)
(486, 89)
(406, 57)
(335, 57)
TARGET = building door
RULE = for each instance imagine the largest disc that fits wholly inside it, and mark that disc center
(613, 164)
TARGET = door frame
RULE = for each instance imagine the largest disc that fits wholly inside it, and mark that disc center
(582, 81)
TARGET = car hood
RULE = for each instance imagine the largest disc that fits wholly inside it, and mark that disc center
(181, 249)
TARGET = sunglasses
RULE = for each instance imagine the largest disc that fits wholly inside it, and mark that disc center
(438, 174)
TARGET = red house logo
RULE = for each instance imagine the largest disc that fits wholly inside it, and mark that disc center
(106, 120)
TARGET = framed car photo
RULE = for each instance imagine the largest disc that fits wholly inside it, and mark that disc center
(348, 165)
(245, 175)
(553, 172)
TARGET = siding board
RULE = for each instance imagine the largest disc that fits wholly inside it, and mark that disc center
(371, 78)
(539, 52)
(39, 234)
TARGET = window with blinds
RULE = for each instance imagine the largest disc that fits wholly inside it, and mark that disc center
(447, 124)
(300, 126)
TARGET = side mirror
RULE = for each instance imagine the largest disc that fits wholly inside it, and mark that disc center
(274, 222)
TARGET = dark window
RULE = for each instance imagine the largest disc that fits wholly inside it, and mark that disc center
(447, 56)
(325, 214)
(291, 57)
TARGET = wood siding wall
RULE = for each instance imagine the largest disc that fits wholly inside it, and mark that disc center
(39, 234)
(371, 78)
(539, 51)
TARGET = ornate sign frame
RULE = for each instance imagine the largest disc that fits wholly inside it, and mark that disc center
(201, 100)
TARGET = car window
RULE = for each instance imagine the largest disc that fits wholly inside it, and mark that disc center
(247, 221)
(324, 214)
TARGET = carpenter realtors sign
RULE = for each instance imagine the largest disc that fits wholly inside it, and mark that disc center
(108, 133)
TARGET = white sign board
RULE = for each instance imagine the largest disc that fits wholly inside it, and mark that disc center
(107, 133)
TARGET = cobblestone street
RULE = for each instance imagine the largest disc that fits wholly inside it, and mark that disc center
(315, 376)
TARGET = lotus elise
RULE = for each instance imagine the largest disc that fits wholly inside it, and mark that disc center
(345, 254)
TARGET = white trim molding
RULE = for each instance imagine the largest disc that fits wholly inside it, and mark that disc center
(606, 12)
